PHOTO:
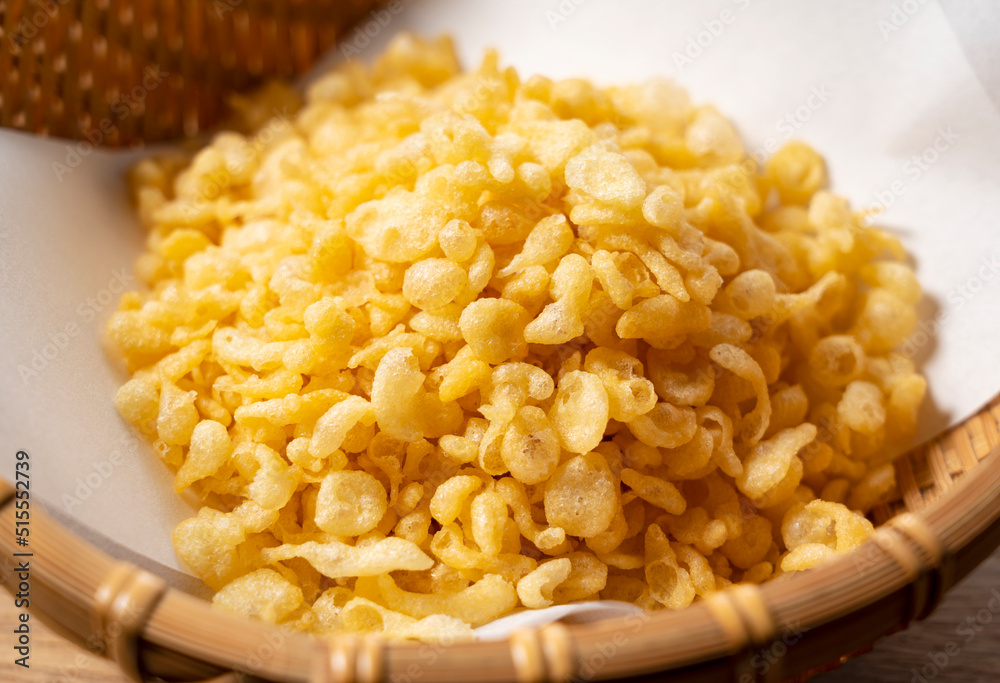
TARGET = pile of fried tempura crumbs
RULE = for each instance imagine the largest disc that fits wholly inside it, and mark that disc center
(433, 346)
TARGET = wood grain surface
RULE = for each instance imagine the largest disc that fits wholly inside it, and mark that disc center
(917, 655)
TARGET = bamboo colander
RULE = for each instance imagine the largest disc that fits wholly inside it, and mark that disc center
(68, 65)
(942, 527)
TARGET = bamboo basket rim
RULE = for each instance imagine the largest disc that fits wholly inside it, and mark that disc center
(898, 576)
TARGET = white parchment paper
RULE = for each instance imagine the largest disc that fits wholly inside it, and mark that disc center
(899, 97)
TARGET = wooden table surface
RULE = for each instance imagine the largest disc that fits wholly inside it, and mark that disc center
(918, 655)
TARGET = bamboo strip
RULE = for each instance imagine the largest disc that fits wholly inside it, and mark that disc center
(72, 94)
(52, 56)
(9, 99)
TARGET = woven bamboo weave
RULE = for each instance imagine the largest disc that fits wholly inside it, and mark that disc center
(124, 72)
